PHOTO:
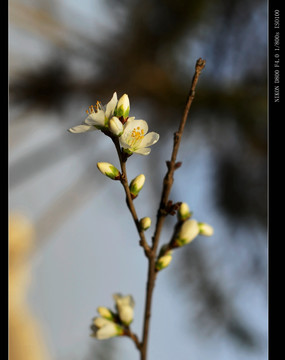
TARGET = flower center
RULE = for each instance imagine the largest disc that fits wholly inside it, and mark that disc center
(94, 108)
(136, 136)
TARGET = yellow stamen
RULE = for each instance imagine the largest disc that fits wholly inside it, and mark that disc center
(94, 108)
(136, 136)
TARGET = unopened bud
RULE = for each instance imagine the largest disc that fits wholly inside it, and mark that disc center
(125, 306)
(116, 127)
(105, 313)
(183, 212)
(109, 170)
(136, 185)
(188, 231)
(105, 329)
(145, 223)
(123, 106)
(163, 261)
(205, 229)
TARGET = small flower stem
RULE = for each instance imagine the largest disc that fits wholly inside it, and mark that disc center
(132, 336)
(130, 203)
(161, 214)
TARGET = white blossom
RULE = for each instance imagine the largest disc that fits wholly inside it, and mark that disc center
(98, 116)
(135, 138)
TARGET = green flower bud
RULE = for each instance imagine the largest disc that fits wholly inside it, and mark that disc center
(123, 106)
(105, 313)
(136, 185)
(188, 231)
(163, 261)
(145, 223)
(109, 170)
(205, 229)
(183, 212)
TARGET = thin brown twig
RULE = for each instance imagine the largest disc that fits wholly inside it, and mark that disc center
(161, 214)
(130, 203)
(132, 336)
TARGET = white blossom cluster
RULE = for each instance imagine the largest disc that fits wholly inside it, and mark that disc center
(114, 117)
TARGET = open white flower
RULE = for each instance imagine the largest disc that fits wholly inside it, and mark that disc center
(125, 306)
(98, 116)
(135, 138)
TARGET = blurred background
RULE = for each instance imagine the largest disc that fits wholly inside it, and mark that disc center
(72, 243)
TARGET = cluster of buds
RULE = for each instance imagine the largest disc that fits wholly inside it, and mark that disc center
(113, 120)
(186, 230)
(114, 323)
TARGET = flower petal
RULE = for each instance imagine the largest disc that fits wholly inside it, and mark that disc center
(131, 125)
(81, 129)
(149, 139)
(110, 107)
(96, 118)
(143, 151)
(130, 119)
(123, 142)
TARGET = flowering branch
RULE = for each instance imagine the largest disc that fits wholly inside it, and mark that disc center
(131, 136)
